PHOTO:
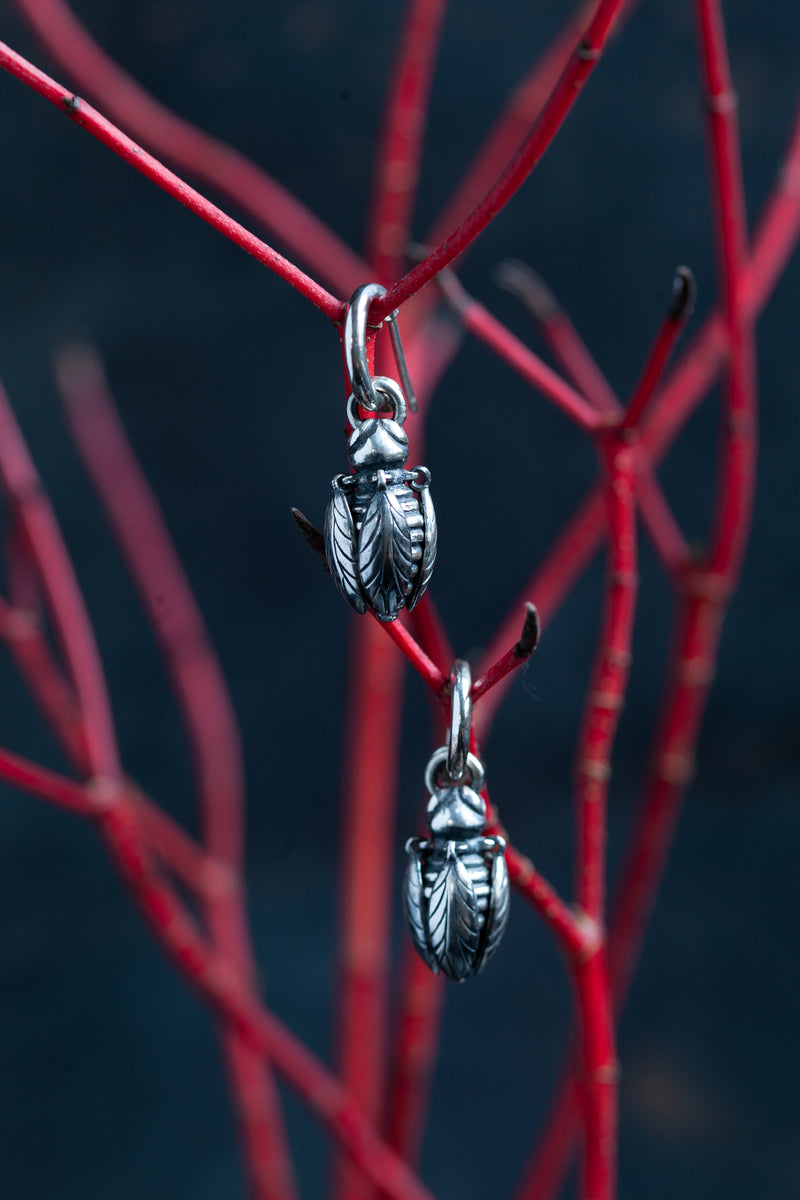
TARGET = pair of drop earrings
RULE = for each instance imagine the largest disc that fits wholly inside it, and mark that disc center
(380, 546)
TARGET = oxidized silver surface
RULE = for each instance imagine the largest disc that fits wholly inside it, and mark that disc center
(456, 884)
(380, 526)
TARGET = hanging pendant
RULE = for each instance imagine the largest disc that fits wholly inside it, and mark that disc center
(456, 884)
(380, 526)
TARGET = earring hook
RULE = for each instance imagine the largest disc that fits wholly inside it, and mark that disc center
(355, 349)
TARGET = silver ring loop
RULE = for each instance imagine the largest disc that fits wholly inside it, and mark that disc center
(460, 718)
(439, 757)
(355, 345)
(385, 389)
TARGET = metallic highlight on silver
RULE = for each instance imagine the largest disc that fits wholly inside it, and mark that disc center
(355, 348)
(456, 889)
(380, 526)
(460, 718)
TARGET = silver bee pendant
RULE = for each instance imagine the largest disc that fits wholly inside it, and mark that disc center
(380, 526)
(456, 887)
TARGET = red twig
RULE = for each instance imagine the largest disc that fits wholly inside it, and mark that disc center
(400, 153)
(560, 334)
(425, 667)
(214, 979)
(21, 631)
(548, 586)
(513, 125)
(576, 937)
(661, 526)
(170, 136)
(208, 715)
(65, 793)
(367, 849)
(478, 321)
(519, 653)
(679, 312)
(81, 113)
(737, 481)
(37, 525)
(577, 71)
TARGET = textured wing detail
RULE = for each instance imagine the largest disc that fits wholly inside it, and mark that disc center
(340, 548)
(385, 562)
(497, 911)
(429, 546)
(453, 919)
(414, 900)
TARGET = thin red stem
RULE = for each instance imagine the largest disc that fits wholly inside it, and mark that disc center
(660, 524)
(608, 682)
(577, 71)
(400, 153)
(208, 716)
(425, 667)
(214, 979)
(48, 785)
(548, 586)
(560, 334)
(21, 631)
(696, 638)
(737, 479)
(598, 1079)
(82, 114)
(513, 125)
(576, 936)
(661, 349)
(37, 524)
(480, 322)
(367, 848)
(191, 149)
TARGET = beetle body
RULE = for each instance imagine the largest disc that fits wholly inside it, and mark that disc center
(456, 885)
(380, 527)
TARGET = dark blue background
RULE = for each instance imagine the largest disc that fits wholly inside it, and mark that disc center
(230, 387)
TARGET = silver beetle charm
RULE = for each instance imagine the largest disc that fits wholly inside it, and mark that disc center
(380, 527)
(456, 884)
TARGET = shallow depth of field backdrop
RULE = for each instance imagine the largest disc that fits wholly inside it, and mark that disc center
(230, 388)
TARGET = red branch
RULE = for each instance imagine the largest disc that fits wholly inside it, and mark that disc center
(577, 71)
(400, 153)
(81, 113)
(37, 525)
(208, 716)
(144, 841)
(194, 151)
(560, 334)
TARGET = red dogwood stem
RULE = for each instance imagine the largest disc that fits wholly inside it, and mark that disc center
(200, 689)
(566, 91)
(400, 151)
(81, 113)
(227, 170)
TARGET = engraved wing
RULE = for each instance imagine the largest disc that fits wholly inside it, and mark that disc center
(413, 896)
(429, 546)
(497, 910)
(340, 547)
(453, 919)
(385, 562)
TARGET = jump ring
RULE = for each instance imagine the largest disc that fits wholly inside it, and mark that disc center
(439, 758)
(386, 389)
(460, 718)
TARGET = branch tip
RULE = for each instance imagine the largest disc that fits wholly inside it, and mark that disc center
(531, 630)
(312, 535)
(522, 281)
(684, 293)
(453, 290)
